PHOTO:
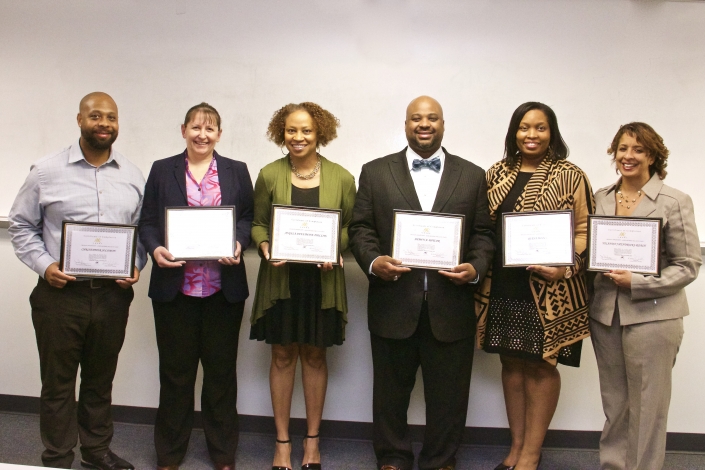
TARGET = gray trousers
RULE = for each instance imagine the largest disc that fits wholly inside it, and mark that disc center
(635, 364)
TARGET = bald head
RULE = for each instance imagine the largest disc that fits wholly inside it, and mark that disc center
(98, 120)
(424, 102)
(96, 95)
(424, 126)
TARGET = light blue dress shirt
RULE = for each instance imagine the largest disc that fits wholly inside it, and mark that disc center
(64, 186)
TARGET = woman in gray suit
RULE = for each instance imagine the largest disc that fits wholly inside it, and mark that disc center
(636, 320)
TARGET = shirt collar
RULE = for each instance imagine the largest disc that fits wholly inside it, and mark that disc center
(76, 155)
(651, 189)
(411, 156)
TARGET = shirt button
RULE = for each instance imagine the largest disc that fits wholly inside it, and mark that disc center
(100, 192)
(101, 213)
(201, 264)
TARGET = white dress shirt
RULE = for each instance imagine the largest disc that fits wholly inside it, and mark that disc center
(426, 180)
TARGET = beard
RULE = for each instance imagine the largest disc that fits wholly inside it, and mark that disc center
(90, 139)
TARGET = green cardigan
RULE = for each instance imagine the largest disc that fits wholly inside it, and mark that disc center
(273, 186)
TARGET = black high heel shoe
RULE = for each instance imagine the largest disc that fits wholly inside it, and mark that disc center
(311, 466)
(501, 466)
(274, 467)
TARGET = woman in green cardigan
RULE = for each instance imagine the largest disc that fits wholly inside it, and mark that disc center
(300, 309)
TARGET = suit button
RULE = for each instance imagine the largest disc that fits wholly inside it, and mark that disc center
(654, 302)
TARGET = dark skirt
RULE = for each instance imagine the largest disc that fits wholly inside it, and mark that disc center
(513, 324)
(300, 318)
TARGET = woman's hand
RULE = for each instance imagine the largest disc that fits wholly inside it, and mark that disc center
(620, 277)
(549, 273)
(165, 259)
(234, 259)
(264, 247)
(329, 266)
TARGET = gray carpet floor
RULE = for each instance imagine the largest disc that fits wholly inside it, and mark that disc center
(20, 444)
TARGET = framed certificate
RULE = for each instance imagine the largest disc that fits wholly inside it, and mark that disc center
(543, 238)
(304, 234)
(200, 233)
(95, 250)
(427, 240)
(631, 243)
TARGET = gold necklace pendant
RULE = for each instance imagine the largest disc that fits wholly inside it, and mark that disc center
(622, 197)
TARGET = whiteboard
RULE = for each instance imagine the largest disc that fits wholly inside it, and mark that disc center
(598, 63)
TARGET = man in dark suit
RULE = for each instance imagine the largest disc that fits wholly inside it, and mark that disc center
(421, 317)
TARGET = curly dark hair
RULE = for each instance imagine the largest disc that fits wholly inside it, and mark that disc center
(209, 113)
(324, 122)
(652, 142)
(558, 148)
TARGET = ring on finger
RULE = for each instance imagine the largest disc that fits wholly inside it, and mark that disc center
(396, 278)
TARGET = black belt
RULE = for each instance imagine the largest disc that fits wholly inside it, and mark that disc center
(92, 283)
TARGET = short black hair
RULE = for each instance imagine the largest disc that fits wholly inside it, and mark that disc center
(558, 148)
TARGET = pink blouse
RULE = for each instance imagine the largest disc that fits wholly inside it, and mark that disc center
(202, 278)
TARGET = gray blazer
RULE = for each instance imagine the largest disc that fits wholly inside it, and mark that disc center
(653, 298)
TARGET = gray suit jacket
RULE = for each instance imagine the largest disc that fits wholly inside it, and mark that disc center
(653, 298)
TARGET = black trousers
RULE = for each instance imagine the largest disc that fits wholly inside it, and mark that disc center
(77, 325)
(189, 330)
(446, 369)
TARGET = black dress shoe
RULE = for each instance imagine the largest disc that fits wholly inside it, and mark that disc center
(109, 461)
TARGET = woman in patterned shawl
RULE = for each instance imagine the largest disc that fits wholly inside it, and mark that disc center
(537, 316)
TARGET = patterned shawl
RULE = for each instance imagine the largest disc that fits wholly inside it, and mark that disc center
(563, 304)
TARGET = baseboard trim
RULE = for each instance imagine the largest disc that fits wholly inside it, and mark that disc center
(566, 439)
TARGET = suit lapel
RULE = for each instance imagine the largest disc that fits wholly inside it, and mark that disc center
(225, 178)
(180, 175)
(399, 167)
(608, 206)
(651, 190)
(449, 180)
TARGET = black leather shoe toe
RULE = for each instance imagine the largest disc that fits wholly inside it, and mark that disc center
(109, 461)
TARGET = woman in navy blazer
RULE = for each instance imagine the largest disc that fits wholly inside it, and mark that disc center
(198, 305)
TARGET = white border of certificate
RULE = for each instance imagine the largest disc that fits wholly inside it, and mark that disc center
(630, 243)
(543, 238)
(305, 234)
(427, 240)
(200, 232)
(94, 250)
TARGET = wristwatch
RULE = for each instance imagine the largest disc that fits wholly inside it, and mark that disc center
(568, 272)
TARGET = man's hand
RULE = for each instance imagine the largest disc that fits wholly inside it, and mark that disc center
(165, 259)
(125, 283)
(264, 246)
(460, 274)
(55, 277)
(234, 259)
(387, 268)
(620, 277)
(549, 273)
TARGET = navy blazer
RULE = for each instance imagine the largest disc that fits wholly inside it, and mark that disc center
(166, 187)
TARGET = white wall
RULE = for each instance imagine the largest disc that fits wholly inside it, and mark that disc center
(599, 63)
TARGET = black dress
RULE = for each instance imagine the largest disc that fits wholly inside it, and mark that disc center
(513, 324)
(300, 318)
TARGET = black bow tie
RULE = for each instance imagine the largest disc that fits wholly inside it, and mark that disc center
(433, 164)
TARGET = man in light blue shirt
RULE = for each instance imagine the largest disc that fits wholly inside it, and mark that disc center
(78, 322)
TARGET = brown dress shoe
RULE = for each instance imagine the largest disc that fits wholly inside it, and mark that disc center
(389, 467)
(168, 467)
